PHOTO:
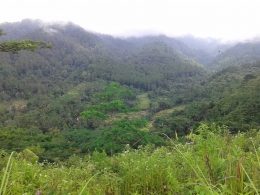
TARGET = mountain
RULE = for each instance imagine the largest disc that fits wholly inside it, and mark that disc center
(157, 78)
(235, 96)
(63, 79)
(114, 46)
(49, 82)
(239, 54)
(229, 97)
(209, 45)
(16, 30)
(153, 65)
(197, 55)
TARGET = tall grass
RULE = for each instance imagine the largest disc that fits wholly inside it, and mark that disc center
(7, 171)
(209, 162)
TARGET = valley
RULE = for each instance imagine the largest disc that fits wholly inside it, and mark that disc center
(119, 113)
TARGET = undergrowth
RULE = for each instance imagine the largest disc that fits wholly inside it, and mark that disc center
(212, 161)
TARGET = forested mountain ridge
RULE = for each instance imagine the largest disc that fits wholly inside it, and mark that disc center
(234, 92)
(239, 54)
(51, 82)
(25, 26)
(116, 47)
(155, 65)
(211, 53)
(80, 55)
(209, 45)
(197, 55)
(44, 92)
(103, 115)
(229, 97)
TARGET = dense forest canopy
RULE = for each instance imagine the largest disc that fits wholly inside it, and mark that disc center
(174, 87)
(141, 115)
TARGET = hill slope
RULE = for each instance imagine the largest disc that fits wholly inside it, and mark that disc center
(197, 55)
(229, 97)
(57, 83)
(239, 54)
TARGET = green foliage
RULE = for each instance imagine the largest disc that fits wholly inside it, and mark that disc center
(29, 156)
(102, 108)
(241, 53)
(113, 91)
(4, 180)
(43, 95)
(55, 85)
(16, 46)
(107, 104)
(230, 97)
(120, 132)
(152, 66)
(213, 161)
(127, 132)
(1, 32)
(92, 113)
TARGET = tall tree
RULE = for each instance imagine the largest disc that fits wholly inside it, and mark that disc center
(16, 46)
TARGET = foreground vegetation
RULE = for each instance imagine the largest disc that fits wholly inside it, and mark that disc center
(210, 162)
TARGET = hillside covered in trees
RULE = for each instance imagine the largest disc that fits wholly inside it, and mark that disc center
(239, 54)
(117, 98)
(48, 89)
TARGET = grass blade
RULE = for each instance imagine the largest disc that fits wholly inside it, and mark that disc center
(86, 184)
(6, 175)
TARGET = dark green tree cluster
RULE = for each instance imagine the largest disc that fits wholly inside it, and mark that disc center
(231, 98)
(242, 53)
(118, 132)
(57, 130)
(153, 66)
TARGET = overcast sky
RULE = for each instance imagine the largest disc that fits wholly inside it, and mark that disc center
(228, 19)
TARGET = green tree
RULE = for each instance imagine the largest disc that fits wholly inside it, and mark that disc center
(16, 46)
(127, 132)
(107, 105)
(118, 133)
